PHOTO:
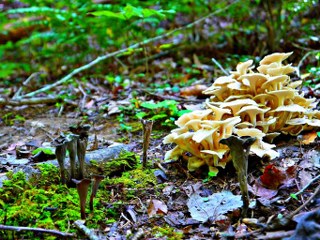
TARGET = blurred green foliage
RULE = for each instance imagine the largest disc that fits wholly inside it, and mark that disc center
(55, 37)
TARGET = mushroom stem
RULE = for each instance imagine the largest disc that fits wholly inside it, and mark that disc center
(147, 128)
(239, 149)
(95, 187)
(72, 148)
(82, 188)
(81, 152)
(61, 155)
(61, 150)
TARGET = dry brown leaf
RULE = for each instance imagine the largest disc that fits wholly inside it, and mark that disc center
(308, 137)
(157, 207)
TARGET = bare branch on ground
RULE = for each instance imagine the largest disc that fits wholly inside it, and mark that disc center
(38, 230)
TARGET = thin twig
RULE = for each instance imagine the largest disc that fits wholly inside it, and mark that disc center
(219, 65)
(302, 60)
(304, 188)
(117, 53)
(39, 230)
(316, 192)
(17, 94)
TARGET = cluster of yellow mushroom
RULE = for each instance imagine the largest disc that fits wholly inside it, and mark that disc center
(259, 104)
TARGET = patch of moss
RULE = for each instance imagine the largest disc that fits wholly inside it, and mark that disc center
(167, 232)
(130, 182)
(126, 161)
(44, 202)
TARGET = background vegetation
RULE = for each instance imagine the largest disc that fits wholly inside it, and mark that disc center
(53, 38)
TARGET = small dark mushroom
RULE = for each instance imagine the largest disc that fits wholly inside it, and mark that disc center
(72, 148)
(61, 150)
(95, 187)
(81, 130)
(81, 152)
(82, 188)
(147, 128)
(239, 149)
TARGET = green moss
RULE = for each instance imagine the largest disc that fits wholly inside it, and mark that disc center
(167, 232)
(45, 204)
(125, 161)
(137, 178)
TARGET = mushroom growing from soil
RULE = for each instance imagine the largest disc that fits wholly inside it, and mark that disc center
(96, 182)
(72, 148)
(82, 188)
(239, 150)
(81, 152)
(61, 150)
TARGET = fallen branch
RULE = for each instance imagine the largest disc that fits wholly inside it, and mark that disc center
(117, 53)
(88, 232)
(30, 101)
(38, 230)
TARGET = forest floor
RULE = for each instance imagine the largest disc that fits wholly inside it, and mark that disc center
(168, 203)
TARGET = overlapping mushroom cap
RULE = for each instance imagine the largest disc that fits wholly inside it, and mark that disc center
(246, 103)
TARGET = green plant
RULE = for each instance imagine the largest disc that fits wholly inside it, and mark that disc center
(210, 176)
(9, 119)
(166, 110)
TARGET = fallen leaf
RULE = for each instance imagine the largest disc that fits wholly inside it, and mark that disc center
(214, 206)
(260, 191)
(157, 207)
(195, 90)
(273, 177)
(308, 137)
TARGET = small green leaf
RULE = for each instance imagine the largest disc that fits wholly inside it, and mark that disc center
(166, 45)
(141, 115)
(149, 105)
(181, 112)
(107, 13)
(125, 127)
(294, 196)
(48, 151)
(159, 116)
(318, 134)
(212, 174)
(151, 12)
(130, 11)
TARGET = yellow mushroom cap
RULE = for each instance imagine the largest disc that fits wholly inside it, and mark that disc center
(197, 114)
(242, 68)
(236, 105)
(251, 132)
(275, 57)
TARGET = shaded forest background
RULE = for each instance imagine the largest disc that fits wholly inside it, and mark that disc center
(52, 39)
